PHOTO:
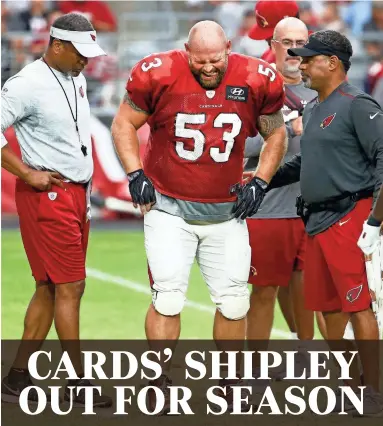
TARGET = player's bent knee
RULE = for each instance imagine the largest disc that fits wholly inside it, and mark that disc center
(234, 308)
(169, 303)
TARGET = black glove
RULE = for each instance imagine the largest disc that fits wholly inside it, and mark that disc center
(141, 188)
(250, 197)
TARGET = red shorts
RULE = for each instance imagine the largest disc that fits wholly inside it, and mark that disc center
(335, 272)
(277, 249)
(54, 230)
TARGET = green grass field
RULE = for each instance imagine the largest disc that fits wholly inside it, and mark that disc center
(114, 307)
(117, 293)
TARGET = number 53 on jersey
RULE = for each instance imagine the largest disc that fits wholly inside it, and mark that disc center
(196, 145)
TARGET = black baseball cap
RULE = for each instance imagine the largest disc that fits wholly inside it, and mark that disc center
(314, 47)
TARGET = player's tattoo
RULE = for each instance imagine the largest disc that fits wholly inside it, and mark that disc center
(126, 100)
(268, 123)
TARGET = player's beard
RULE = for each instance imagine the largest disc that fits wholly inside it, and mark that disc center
(211, 84)
(307, 81)
(291, 71)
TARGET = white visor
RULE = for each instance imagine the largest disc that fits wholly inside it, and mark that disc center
(83, 41)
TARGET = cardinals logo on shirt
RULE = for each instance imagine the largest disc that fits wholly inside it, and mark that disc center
(327, 121)
(81, 90)
(93, 37)
(354, 293)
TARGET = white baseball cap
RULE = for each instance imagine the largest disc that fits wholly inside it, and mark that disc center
(83, 41)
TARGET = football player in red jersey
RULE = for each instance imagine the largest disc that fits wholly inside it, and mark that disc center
(201, 104)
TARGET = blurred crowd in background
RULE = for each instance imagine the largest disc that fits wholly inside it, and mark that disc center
(129, 30)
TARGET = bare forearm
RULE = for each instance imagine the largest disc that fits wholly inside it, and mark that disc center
(271, 157)
(127, 145)
(11, 162)
(128, 120)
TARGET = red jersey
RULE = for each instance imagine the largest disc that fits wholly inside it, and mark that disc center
(197, 136)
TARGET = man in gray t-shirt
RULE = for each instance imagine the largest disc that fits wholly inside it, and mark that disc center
(277, 235)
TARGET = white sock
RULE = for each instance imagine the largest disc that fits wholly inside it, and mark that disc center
(294, 336)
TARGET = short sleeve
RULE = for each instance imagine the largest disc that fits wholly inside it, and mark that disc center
(4, 142)
(139, 84)
(274, 93)
(16, 101)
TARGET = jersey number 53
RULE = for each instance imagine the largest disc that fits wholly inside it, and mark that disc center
(199, 138)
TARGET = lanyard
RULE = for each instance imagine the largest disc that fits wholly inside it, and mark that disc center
(83, 147)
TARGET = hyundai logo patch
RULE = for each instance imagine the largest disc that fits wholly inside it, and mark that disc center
(236, 93)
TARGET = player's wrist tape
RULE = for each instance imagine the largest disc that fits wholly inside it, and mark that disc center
(372, 221)
(135, 174)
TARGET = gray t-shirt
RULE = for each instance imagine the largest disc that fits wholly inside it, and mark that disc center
(341, 152)
(280, 202)
(35, 104)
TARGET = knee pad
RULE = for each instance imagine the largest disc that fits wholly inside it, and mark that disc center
(234, 308)
(168, 303)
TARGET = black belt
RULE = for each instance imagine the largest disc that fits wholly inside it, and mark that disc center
(339, 203)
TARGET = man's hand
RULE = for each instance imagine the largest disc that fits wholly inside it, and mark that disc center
(297, 126)
(38, 179)
(369, 239)
(141, 190)
(250, 197)
(43, 181)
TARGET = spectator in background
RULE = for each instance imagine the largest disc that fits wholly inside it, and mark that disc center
(12, 49)
(34, 18)
(242, 43)
(355, 14)
(6, 56)
(374, 75)
(308, 15)
(376, 21)
(40, 38)
(375, 24)
(13, 6)
(229, 15)
(374, 45)
(330, 18)
(267, 15)
(25, 15)
(98, 12)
